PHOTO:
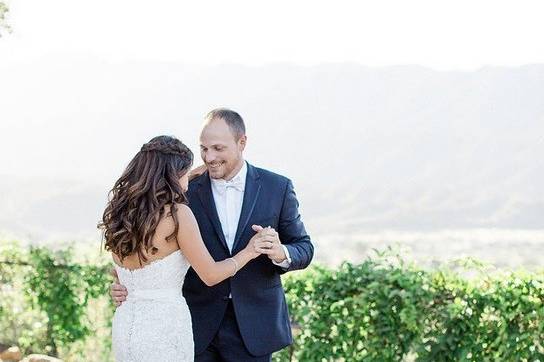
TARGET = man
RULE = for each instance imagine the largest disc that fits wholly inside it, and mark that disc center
(243, 318)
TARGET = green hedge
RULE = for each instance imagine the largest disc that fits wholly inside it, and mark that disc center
(47, 302)
(387, 310)
(383, 309)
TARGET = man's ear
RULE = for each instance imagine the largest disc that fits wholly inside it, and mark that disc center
(242, 142)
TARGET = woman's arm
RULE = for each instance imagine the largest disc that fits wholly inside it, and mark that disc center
(192, 246)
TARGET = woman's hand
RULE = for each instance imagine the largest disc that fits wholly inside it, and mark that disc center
(254, 245)
(195, 172)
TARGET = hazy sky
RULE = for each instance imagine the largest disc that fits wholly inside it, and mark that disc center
(49, 93)
(459, 34)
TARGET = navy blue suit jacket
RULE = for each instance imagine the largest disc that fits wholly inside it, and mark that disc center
(257, 292)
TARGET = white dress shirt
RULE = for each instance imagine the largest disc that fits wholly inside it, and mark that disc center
(229, 197)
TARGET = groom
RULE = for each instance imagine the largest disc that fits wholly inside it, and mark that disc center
(243, 318)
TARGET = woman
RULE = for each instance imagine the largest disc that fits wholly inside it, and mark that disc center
(154, 239)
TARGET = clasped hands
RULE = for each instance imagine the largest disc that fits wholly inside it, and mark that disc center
(267, 241)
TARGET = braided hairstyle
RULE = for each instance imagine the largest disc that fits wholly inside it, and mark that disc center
(138, 198)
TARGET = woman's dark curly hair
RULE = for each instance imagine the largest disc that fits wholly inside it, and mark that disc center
(137, 200)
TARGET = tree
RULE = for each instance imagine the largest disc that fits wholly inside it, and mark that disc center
(3, 24)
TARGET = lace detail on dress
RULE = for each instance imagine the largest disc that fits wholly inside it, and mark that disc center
(154, 323)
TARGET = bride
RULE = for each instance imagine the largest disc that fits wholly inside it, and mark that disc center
(154, 239)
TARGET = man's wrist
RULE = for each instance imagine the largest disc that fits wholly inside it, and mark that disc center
(282, 258)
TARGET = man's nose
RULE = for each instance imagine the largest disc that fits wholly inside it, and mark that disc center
(209, 157)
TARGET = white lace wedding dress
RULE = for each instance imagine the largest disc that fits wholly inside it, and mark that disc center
(154, 323)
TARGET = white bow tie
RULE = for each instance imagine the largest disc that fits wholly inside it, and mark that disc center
(222, 185)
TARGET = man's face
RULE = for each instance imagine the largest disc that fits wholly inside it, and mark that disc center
(220, 151)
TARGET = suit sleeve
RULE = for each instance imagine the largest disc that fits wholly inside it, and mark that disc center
(292, 233)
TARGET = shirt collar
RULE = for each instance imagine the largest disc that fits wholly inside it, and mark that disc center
(239, 178)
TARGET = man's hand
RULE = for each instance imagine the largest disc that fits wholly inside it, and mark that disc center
(118, 291)
(269, 243)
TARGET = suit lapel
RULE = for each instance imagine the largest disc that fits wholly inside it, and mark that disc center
(206, 197)
(251, 193)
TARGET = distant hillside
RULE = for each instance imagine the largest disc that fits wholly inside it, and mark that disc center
(396, 148)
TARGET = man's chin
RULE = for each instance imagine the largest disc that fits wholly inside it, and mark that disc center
(216, 175)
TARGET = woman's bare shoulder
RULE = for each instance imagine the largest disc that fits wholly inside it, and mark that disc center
(183, 210)
(167, 224)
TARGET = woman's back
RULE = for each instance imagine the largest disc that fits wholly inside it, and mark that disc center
(163, 247)
(154, 322)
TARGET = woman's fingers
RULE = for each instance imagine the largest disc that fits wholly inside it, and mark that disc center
(263, 246)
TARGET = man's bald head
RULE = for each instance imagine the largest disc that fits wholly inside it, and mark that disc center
(231, 118)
